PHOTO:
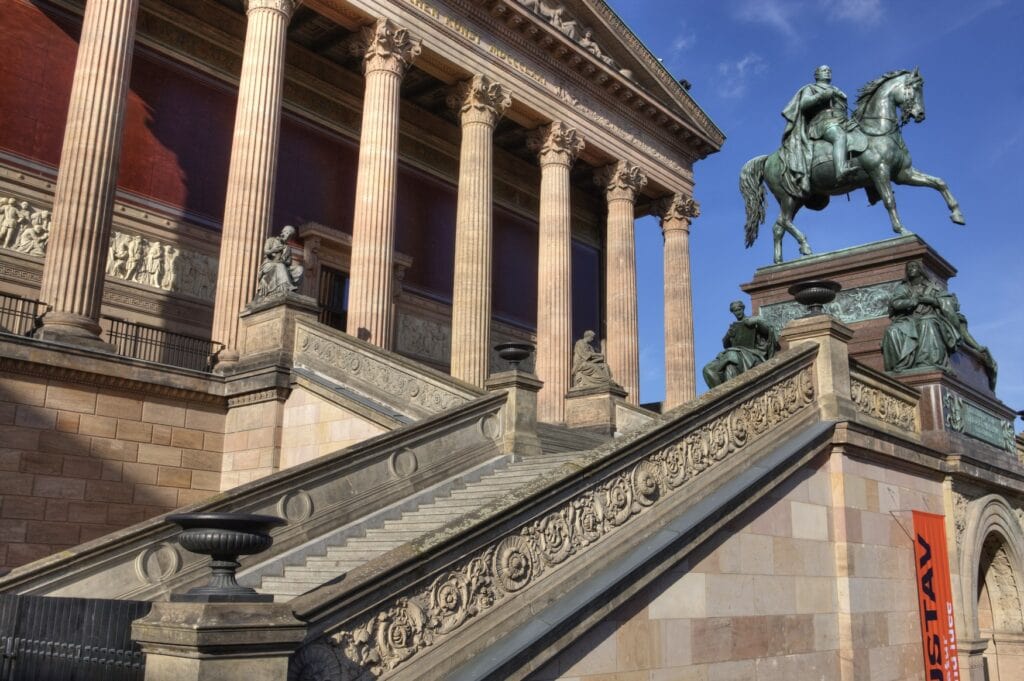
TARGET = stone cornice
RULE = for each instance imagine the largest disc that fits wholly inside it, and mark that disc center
(621, 181)
(386, 47)
(480, 100)
(556, 143)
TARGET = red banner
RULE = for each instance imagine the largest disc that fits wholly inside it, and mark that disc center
(936, 597)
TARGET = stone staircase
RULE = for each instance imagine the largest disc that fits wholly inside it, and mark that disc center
(460, 499)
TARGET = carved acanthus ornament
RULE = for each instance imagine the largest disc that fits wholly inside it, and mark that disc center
(676, 212)
(388, 637)
(879, 404)
(556, 143)
(960, 503)
(385, 47)
(954, 408)
(285, 7)
(622, 181)
(480, 100)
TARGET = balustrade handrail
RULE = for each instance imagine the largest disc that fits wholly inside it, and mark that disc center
(153, 344)
(20, 316)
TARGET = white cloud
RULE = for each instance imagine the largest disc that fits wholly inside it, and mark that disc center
(734, 76)
(778, 14)
(686, 39)
(857, 11)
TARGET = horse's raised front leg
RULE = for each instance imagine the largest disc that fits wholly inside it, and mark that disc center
(880, 176)
(913, 176)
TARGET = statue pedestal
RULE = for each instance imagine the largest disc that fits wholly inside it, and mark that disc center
(594, 408)
(268, 327)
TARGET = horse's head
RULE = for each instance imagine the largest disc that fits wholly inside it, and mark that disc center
(909, 95)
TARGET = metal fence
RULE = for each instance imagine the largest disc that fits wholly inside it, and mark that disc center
(69, 639)
(159, 345)
(19, 316)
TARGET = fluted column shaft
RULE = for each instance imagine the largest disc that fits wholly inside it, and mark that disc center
(249, 205)
(387, 53)
(680, 371)
(622, 183)
(557, 146)
(83, 201)
(481, 103)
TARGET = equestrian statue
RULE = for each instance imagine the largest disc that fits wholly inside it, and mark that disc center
(824, 153)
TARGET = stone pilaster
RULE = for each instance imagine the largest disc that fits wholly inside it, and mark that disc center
(388, 51)
(481, 102)
(557, 146)
(680, 373)
(622, 182)
(83, 201)
(249, 204)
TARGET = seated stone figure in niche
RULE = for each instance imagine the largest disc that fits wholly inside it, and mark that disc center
(278, 274)
(748, 342)
(927, 327)
(589, 367)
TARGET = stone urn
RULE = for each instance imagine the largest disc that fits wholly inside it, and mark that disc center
(224, 537)
(514, 352)
(815, 295)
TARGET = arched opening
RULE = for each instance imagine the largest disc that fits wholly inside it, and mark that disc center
(1000, 612)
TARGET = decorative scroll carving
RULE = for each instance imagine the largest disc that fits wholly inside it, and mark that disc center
(622, 181)
(386, 638)
(367, 369)
(954, 408)
(883, 406)
(480, 100)
(556, 143)
(385, 47)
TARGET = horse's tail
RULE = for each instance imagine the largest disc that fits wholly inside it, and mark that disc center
(752, 188)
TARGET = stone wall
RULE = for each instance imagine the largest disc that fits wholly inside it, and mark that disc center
(78, 461)
(817, 582)
(314, 427)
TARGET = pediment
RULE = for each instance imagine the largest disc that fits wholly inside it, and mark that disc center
(597, 30)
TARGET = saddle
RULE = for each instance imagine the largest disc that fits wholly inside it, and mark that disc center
(821, 151)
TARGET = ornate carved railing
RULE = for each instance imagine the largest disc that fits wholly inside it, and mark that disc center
(885, 399)
(151, 344)
(20, 316)
(375, 628)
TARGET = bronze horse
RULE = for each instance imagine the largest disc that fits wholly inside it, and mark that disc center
(880, 157)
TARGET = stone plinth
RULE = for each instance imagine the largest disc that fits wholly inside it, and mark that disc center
(223, 641)
(268, 326)
(593, 408)
(868, 275)
(519, 415)
(832, 368)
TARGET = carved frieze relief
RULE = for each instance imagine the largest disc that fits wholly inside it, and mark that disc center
(383, 640)
(850, 306)
(882, 405)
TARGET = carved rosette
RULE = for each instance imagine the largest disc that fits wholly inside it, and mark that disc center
(385, 639)
(556, 144)
(385, 47)
(285, 7)
(480, 100)
(676, 212)
(622, 181)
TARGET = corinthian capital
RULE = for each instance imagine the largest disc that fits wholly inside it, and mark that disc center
(385, 47)
(622, 181)
(480, 100)
(556, 143)
(676, 210)
(285, 7)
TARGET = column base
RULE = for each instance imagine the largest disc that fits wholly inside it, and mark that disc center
(73, 329)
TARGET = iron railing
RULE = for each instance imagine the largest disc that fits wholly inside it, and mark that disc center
(20, 316)
(151, 344)
(69, 639)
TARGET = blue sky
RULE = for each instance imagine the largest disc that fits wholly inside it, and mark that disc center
(746, 58)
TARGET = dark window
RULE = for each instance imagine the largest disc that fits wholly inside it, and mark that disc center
(333, 298)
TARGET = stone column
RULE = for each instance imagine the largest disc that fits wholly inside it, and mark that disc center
(249, 205)
(680, 373)
(622, 182)
(557, 146)
(388, 52)
(481, 102)
(83, 201)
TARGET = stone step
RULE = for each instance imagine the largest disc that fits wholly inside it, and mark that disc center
(338, 566)
(308, 576)
(414, 523)
(280, 587)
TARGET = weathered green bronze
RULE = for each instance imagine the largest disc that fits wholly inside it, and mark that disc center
(748, 342)
(927, 327)
(812, 164)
